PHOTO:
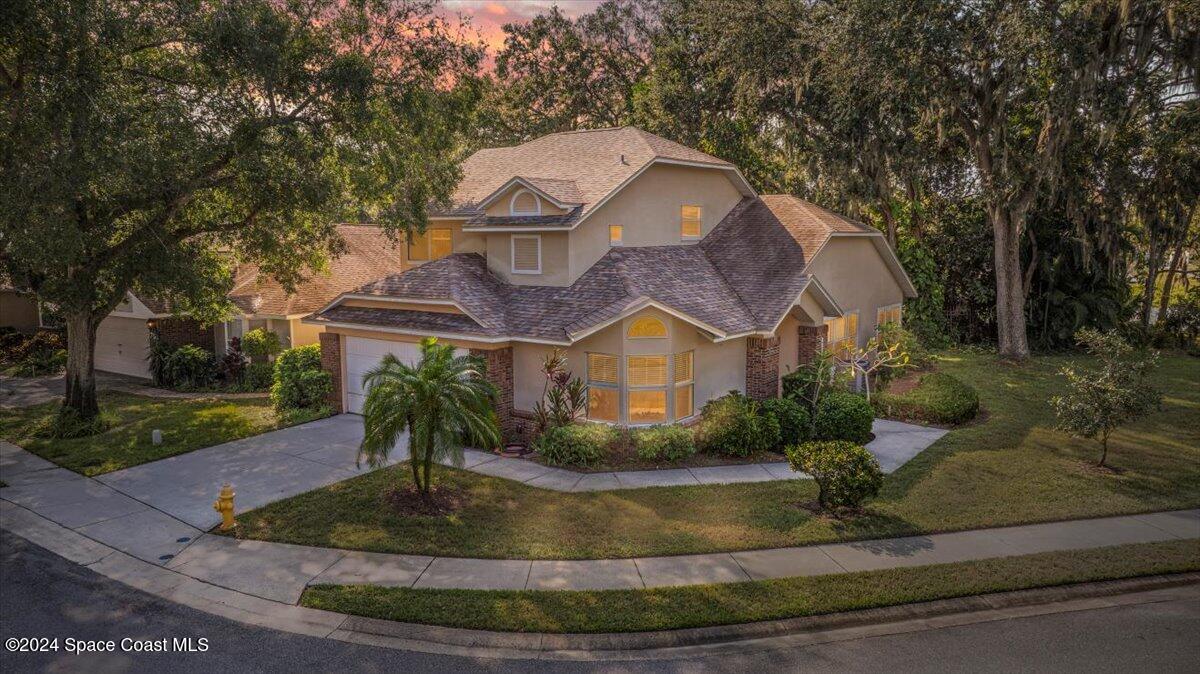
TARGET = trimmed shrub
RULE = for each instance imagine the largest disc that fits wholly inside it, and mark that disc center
(664, 443)
(259, 376)
(843, 416)
(846, 473)
(939, 398)
(792, 418)
(576, 444)
(299, 381)
(731, 425)
(261, 344)
(189, 366)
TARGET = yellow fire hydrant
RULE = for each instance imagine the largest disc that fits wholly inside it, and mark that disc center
(224, 505)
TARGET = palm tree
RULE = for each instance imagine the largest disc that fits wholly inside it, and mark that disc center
(442, 401)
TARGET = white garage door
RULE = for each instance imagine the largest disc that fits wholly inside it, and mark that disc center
(363, 355)
(121, 346)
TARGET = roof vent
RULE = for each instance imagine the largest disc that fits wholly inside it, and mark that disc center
(622, 159)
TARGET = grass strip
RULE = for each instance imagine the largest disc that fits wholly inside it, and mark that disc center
(708, 605)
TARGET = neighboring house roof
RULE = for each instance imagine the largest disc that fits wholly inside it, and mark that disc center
(573, 167)
(742, 278)
(369, 254)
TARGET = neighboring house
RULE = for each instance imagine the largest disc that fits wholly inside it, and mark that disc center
(123, 337)
(665, 279)
(19, 310)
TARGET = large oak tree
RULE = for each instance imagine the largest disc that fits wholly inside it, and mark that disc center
(152, 144)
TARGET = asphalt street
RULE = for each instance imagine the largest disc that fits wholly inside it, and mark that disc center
(43, 595)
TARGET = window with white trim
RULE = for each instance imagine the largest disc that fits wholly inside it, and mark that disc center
(888, 314)
(603, 396)
(841, 336)
(616, 235)
(526, 254)
(647, 327)
(525, 202)
(646, 379)
(685, 385)
(689, 221)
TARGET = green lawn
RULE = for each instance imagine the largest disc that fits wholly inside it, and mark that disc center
(706, 605)
(1010, 468)
(185, 424)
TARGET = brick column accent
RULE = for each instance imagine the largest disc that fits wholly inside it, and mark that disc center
(179, 331)
(331, 362)
(812, 341)
(762, 367)
(499, 364)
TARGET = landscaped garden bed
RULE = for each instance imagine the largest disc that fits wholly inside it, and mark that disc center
(186, 424)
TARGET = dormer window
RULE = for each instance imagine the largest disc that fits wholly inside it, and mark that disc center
(525, 202)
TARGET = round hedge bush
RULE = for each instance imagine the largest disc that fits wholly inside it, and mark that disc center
(731, 425)
(846, 473)
(842, 415)
(299, 381)
(576, 444)
(792, 418)
(939, 398)
(664, 443)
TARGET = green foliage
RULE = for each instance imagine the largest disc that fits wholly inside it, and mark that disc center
(157, 354)
(579, 444)
(69, 425)
(259, 376)
(261, 344)
(563, 397)
(925, 314)
(189, 366)
(439, 401)
(845, 472)
(809, 382)
(792, 417)
(664, 443)
(33, 355)
(731, 425)
(299, 381)
(939, 398)
(233, 363)
(1179, 328)
(1101, 399)
(842, 415)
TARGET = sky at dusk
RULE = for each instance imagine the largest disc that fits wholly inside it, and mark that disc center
(487, 16)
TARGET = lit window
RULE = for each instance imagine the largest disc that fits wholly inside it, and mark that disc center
(646, 370)
(647, 406)
(615, 235)
(689, 221)
(439, 243)
(887, 315)
(646, 377)
(842, 334)
(418, 246)
(603, 395)
(684, 385)
(647, 327)
(525, 203)
(526, 254)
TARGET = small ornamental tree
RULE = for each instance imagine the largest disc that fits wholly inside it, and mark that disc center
(845, 472)
(1101, 399)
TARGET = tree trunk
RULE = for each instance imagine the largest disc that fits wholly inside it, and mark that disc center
(80, 392)
(1165, 301)
(1103, 449)
(1010, 285)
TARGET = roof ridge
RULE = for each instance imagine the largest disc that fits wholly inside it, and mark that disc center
(733, 213)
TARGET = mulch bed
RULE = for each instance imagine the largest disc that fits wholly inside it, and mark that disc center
(441, 500)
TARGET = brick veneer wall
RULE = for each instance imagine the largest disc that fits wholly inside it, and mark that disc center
(499, 364)
(812, 340)
(331, 362)
(762, 367)
(179, 331)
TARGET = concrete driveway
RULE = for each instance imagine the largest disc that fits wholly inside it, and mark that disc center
(29, 391)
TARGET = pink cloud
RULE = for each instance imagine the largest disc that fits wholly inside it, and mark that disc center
(486, 17)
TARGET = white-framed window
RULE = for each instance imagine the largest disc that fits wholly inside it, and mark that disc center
(690, 219)
(524, 202)
(526, 254)
(603, 397)
(841, 334)
(647, 327)
(684, 377)
(616, 235)
(889, 314)
(646, 381)
(433, 244)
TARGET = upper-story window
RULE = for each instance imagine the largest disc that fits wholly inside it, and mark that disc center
(647, 326)
(525, 202)
(616, 235)
(888, 314)
(526, 254)
(842, 334)
(433, 244)
(689, 221)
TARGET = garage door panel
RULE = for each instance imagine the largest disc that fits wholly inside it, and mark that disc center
(121, 345)
(363, 355)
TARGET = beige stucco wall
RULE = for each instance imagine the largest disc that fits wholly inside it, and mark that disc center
(18, 310)
(648, 209)
(854, 273)
(304, 334)
(554, 259)
(719, 367)
(500, 207)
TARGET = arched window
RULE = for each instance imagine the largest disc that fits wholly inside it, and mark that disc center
(525, 203)
(647, 326)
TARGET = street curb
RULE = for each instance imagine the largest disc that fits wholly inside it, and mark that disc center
(213, 599)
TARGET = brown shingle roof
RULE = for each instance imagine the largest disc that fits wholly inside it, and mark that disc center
(595, 162)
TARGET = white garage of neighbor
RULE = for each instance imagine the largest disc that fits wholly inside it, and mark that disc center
(121, 345)
(363, 355)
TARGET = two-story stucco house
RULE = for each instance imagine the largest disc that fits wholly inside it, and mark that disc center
(655, 267)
